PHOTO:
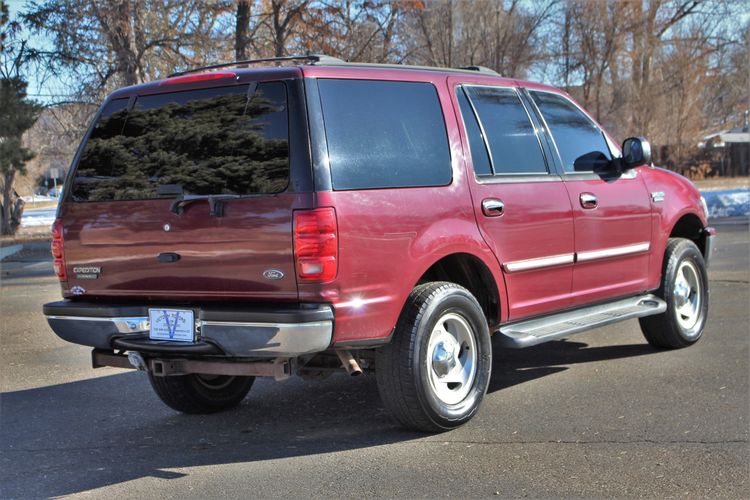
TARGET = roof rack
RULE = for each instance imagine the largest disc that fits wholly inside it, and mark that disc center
(312, 58)
(333, 61)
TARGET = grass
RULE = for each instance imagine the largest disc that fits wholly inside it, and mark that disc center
(41, 204)
(723, 183)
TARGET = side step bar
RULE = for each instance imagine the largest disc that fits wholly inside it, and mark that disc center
(536, 331)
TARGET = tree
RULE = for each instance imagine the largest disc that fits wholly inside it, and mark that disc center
(100, 45)
(4, 18)
(241, 38)
(17, 115)
(502, 35)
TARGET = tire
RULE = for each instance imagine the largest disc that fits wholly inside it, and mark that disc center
(416, 380)
(684, 288)
(201, 393)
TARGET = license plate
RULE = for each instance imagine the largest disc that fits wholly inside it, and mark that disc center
(171, 324)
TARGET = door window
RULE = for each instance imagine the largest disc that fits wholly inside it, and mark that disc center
(579, 140)
(479, 156)
(513, 144)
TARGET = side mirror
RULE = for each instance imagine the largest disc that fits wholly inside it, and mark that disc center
(635, 151)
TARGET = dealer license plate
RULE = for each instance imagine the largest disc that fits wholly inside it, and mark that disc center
(171, 324)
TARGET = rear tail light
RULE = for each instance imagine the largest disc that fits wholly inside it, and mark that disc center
(58, 252)
(316, 245)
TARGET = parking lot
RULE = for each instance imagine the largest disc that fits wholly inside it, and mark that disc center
(600, 414)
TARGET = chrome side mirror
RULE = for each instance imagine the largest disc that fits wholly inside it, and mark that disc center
(636, 151)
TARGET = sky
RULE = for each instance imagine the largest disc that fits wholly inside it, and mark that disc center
(54, 89)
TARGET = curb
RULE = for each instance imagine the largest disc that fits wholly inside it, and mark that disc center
(10, 250)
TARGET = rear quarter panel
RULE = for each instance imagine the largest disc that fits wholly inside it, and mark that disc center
(388, 238)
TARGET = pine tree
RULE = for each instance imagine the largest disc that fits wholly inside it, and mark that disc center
(17, 115)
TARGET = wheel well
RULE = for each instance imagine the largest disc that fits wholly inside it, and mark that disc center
(471, 273)
(689, 226)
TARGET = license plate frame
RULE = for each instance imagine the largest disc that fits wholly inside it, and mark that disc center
(171, 325)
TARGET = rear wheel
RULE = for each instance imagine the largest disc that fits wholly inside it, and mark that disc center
(435, 372)
(197, 393)
(684, 288)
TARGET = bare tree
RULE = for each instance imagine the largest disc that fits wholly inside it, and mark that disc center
(241, 39)
(99, 45)
(504, 36)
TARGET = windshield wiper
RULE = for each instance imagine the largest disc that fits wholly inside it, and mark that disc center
(215, 202)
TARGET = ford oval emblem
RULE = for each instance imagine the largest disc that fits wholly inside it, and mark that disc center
(273, 274)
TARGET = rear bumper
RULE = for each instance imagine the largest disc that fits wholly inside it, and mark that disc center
(264, 332)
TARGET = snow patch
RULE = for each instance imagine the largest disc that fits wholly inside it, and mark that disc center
(728, 203)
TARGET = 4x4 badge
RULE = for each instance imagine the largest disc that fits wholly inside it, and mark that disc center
(273, 274)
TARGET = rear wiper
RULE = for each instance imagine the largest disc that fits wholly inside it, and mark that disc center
(215, 202)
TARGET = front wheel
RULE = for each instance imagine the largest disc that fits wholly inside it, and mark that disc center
(435, 372)
(684, 288)
(196, 393)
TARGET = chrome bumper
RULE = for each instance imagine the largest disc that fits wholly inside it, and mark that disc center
(263, 334)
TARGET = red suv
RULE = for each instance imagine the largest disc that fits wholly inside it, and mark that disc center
(228, 223)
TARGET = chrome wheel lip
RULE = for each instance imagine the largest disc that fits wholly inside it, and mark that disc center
(451, 359)
(687, 296)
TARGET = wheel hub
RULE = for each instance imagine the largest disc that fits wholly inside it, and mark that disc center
(451, 360)
(444, 357)
(681, 293)
(687, 295)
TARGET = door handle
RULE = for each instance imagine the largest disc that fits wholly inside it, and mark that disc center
(492, 207)
(588, 200)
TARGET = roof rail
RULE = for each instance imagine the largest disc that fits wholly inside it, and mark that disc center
(482, 69)
(312, 58)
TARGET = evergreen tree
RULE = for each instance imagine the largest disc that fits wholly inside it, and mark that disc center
(17, 115)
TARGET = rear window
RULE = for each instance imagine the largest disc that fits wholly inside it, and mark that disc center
(198, 142)
(384, 134)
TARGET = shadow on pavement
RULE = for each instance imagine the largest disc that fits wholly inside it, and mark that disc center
(78, 436)
(516, 366)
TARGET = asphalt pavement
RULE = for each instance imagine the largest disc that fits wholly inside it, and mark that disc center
(600, 414)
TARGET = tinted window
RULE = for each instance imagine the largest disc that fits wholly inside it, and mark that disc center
(513, 143)
(580, 142)
(210, 141)
(479, 156)
(384, 134)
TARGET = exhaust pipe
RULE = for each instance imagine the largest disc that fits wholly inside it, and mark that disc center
(350, 364)
(137, 361)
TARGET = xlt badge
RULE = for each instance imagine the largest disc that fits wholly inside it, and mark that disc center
(87, 272)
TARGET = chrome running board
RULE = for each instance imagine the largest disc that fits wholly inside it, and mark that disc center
(536, 331)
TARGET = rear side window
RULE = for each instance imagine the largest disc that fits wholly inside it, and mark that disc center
(384, 134)
(514, 146)
(479, 156)
(199, 142)
(581, 144)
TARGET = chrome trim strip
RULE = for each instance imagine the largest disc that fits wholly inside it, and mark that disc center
(280, 326)
(525, 265)
(612, 252)
(517, 178)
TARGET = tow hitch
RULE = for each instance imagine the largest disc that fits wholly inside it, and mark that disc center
(279, 368)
